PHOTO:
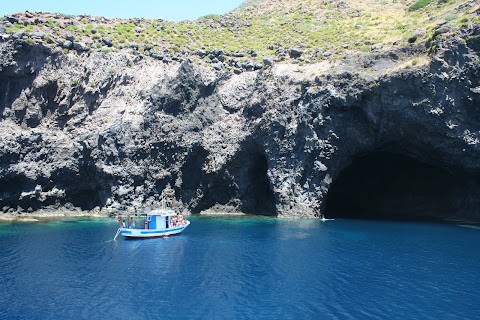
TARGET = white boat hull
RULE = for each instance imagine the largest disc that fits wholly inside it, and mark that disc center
(152, 233)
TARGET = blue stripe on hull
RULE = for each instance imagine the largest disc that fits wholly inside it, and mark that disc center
(162, 231)
(145, 233)
(150, 237)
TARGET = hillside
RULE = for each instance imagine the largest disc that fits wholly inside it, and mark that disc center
(305, 31)
(284, 108)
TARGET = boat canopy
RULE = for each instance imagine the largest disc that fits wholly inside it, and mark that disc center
(136, 214)
(164, 210)
(151, 213)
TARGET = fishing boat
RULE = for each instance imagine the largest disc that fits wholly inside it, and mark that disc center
(153, 224)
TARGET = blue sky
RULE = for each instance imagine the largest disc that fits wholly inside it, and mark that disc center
(163, 9)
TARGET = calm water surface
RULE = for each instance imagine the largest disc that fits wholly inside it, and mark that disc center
(241, 268)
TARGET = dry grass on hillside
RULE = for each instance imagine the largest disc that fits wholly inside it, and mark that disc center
(319, 28)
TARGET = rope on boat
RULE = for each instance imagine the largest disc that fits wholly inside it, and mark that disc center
(116, 235)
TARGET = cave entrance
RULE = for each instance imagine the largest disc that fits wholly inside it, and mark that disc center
(259, 197)
(384, 185)
(85, 199)
(243, 185)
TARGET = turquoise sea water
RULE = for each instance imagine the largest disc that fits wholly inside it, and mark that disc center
(241, 268)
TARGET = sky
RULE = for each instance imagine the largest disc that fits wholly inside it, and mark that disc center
(174, 10)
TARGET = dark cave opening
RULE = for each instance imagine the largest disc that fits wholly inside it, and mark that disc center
(261, 199)
(201, 190)
(384, 185)
(242, 185)
(11, 188)
(85, 199)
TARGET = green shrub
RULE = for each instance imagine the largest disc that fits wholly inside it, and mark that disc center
(462, 21)
(72, 28)
(419, 4)
(211, 16)
(450, 17)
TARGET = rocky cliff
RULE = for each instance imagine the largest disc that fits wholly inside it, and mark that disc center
(392, 130)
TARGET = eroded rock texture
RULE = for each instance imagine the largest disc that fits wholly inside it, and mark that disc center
(394, 132)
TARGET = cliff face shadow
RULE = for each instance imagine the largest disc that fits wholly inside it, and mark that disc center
(259, 198)
(201, 190)
(242, 185)
(85, 199)
(391, 186)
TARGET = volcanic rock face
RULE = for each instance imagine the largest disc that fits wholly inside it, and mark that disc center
(108, 132)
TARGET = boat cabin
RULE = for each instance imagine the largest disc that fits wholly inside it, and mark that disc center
(148, 225)
(161, 222)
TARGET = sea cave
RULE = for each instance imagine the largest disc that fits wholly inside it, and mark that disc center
(383, 185)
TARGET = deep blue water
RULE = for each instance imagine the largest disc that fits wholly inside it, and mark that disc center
(241, 268)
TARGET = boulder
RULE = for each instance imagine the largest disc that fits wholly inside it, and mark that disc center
(412, 39)
(107, 41)
(18, 35)
(268, 61)
(11, 19)
(217, 52)
(67, 44)
(295, 53)
(218, 66)
(441, 30)
(200, 53)
(37, 35)
(80, 46)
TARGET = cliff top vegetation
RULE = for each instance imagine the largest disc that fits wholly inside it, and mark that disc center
(304, 31)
